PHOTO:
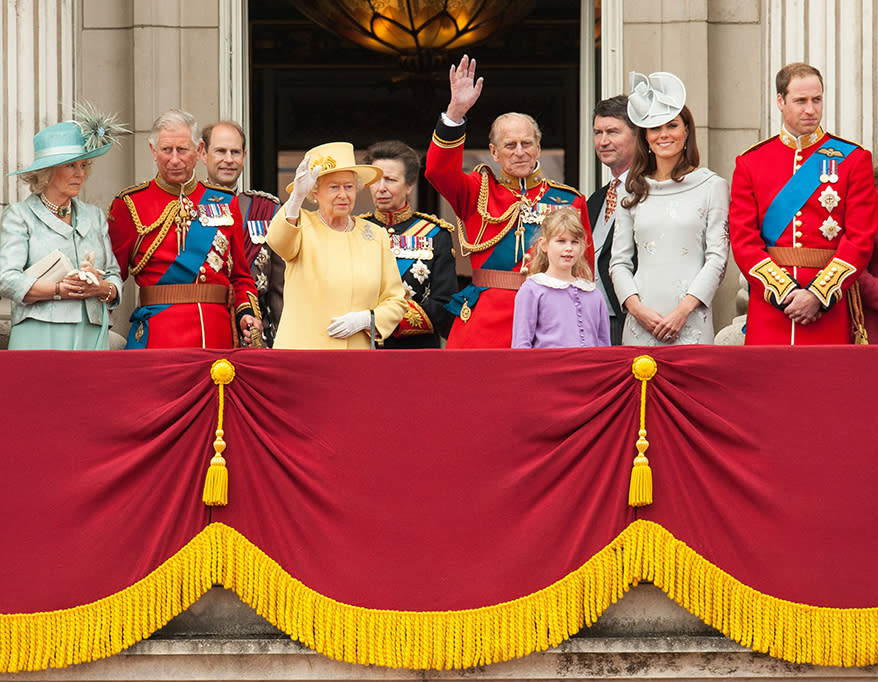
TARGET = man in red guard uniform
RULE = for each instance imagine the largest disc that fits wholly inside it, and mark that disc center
(224, 153)
(802, 221)
(182, 241)
(502, 215)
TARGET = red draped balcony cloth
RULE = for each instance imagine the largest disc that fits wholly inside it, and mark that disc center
(437, 509)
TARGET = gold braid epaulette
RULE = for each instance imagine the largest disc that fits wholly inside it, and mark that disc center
(219, 188)
(561, 185)
(444, 224)
(510, 215)
(165, 221)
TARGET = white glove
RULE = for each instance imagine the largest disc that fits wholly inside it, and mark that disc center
(303, 183)
(349, 324)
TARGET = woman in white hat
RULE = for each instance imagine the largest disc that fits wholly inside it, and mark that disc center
(56, 261)
(341, 285)
(673, 223)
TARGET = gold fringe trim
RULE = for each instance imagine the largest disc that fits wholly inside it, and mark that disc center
(56, 639)
(794, 632)
(441, 639)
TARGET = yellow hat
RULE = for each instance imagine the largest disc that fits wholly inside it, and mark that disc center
(339, 156)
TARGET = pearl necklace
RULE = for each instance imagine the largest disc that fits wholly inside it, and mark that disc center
(60, 211)
(348, 227)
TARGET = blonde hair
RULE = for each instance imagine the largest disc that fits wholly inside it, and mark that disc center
(38, 180)
(557, 223)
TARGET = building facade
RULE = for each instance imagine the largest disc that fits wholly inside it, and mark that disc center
(141, 58)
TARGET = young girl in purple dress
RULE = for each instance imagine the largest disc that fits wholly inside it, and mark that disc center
(558, 306)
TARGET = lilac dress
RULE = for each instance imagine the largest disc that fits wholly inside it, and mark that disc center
(552, 313)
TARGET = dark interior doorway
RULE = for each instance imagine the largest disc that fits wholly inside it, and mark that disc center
(308, 87)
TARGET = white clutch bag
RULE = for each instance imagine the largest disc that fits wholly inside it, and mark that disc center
(54, 267)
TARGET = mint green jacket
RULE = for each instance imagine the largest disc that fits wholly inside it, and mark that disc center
(29, 231)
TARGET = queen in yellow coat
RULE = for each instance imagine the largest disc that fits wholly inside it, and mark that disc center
(340, 272)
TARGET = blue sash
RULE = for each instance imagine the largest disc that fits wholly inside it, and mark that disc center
(503, 255)
(184, 269)
(799, 188)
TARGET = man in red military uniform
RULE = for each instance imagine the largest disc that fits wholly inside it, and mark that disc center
(182, 241)
(802, 221)
(502, 215)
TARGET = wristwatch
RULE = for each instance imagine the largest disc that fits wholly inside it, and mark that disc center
(57, 296)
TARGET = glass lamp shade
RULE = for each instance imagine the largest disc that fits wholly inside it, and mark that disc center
(419, 32)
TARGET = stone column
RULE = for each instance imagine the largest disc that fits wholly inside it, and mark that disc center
(140, 59)
(836, 36)
(38, 50)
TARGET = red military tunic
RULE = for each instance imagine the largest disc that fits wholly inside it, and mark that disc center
(840, 217)
(146, 243)
(487, 321)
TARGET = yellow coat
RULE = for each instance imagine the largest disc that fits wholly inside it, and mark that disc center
(330, 273)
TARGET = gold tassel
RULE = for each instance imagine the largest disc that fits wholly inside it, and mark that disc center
(640, 488)
(216, 484)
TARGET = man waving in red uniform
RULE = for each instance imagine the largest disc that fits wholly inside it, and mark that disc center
(802, 221)
(502, 215)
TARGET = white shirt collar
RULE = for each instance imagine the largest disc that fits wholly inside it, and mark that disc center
(555, 283)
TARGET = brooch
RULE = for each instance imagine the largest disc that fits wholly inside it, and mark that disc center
(830, 228)
(829, 199)
(220, 242)
(214, 260)
(420, 271)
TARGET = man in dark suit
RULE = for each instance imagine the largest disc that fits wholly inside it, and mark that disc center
(614, 140)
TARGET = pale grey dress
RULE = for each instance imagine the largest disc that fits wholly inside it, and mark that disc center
(681, 236)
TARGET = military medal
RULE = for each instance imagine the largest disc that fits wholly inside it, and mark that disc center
(465, 311)
(262, 258)
(830, 228)
(215, 215)
(214, 260)
(258, 230)
(824, 176)
(407, 246)
(528, 215)
(420, 271)
(833, 171)
(220, 242)
(829, 199)
(531, 211)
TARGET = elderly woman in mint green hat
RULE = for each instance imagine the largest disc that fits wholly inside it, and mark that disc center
(56, 261)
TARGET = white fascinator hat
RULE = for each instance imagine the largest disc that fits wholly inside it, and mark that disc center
(655, 99)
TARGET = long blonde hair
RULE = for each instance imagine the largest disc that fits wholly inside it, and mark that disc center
(557, 223)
